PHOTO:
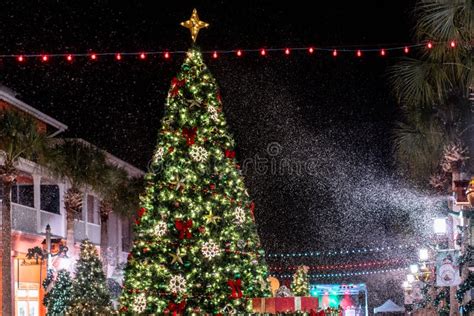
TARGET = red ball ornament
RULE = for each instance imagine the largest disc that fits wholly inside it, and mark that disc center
(171, 149)
(212, 186)
(202, 229)
(145, 250)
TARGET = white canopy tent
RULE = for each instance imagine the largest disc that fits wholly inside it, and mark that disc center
(389, 307)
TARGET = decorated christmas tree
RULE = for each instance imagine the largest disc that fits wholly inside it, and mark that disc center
(59, 297)
(196, 247)
(300, 284)
(90, 295)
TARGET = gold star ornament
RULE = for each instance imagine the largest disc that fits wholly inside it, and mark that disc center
(211, 218)
(176, 258)
(194, 25)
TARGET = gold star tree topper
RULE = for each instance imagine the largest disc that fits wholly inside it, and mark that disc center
(194, 25)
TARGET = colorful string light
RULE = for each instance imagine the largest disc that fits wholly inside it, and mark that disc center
(358, 51)
(339, 266)
(341, 252)
(340, 275)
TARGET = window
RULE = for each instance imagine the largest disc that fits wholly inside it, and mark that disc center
(92, 210)
(27, 301)
(23, 194)
(50, 198)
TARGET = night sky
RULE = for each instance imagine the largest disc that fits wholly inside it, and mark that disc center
(335, 113)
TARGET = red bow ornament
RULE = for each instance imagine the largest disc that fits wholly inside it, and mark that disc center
(183, 227)
(176, 84)
(229, 153)
(252, 210)
(176, 308)
(190, 135)
(140, 213)
(236, 287)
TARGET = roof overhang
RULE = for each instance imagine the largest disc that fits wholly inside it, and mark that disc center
(8, 96)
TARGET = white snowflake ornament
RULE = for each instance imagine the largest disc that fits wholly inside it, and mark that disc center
(139, 303)
(210, 249)
(213, 113)
(160, 229)
(229, 310)
(198, 153)
(159, 154)
(177, 284)
(239, 215)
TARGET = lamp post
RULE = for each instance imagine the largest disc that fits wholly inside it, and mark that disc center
(48, 247)
(440, 226)
(423, 254)
(423, 270)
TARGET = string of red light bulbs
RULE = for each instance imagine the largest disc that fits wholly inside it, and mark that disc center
(334, 50)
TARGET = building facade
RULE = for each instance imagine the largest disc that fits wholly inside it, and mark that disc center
(38, 201)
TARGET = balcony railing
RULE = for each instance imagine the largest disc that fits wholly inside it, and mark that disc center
(30, 220)
(83, 230)
(24, 218)
(54, 220)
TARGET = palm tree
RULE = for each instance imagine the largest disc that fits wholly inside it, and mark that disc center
(20, 137)
(433, 88)
(120, 194)
(83, 166)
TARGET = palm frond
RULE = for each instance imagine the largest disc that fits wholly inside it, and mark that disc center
(444, 20)
(119, 191)
(20, 136)
(418, 82)
(78, 162)
(419, 147)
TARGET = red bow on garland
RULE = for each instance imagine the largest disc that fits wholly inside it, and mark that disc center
(229, 153)
(176, 84)
(190, 135)
(252, 210)
(183, 228)
(140, 213)
(236, 287)
(176, 308)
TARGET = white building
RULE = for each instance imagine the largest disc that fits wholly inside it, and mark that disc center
(37, 201)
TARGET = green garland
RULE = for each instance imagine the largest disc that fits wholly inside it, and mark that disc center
(426, 297)
(442, 295)
(465, 286)
(467, 257)
(468, 307)
(48, 280)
